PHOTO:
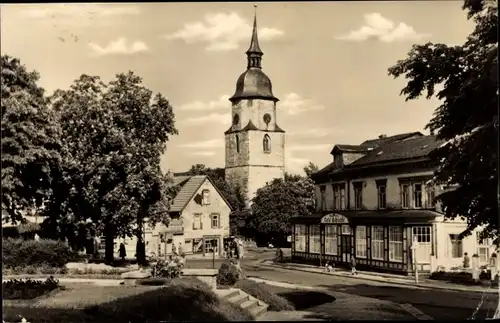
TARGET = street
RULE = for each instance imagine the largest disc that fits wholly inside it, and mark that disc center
(437, 304)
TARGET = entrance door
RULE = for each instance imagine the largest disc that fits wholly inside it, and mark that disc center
(346, 248)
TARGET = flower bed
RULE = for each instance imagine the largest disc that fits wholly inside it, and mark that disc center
(463, 278)
(28, 288)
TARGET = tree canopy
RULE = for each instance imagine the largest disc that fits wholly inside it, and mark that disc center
(310, 168)
(467, 118)
(30, 141)
(113, 136)
(276, 203)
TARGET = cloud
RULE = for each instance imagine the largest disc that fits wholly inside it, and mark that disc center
(221, 103)
(294, 104)
(213, 143)
(221, 118)
(311, 147)
(383, 29)
(118, 47)
(79, 14)
(221, 32)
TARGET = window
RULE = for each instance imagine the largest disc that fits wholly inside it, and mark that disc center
(417, 195)
(330, 239)
(215, 221)
(424, 248)
(335, 197)
(267, 144)
(378, 242)
(361, 242)
(300, 237)
(358, 196)
(395, 243)
(205, 194)
(322, 203)
(405, 196)
(197, 224)
(314, 239)
(237, 144)
(211, 245)
(456, 246)
(197, 245)
(381, 196)
(342, 198)
(431, 195)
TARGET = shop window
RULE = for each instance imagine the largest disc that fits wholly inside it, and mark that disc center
(361, 241)
(300, 237)
(331, 239)
(396, 243)
(314, 239)
(378, 242)
(197, 245)
(456, 246)
(211, 245)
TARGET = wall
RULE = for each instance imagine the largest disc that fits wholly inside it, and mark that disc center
(234, 158)
(276, 157)
(254, 110)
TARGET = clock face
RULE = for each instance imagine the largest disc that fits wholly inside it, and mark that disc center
(236, 119)
(267, 118)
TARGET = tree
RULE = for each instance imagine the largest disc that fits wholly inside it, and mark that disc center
(30, 141)
(467, 119)
(310, 168)
(114, 136)
(276, 203)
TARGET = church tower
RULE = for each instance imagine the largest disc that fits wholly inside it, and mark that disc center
(255, 144)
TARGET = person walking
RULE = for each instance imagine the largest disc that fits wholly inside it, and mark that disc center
(122, 251)
(353, 266)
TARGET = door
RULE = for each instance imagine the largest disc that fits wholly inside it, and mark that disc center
(346, 248)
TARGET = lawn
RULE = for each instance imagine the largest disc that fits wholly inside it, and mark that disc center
(180, 300)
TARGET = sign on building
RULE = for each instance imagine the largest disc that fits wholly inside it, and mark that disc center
(334, 218)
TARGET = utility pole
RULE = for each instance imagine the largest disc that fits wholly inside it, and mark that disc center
(414, 256)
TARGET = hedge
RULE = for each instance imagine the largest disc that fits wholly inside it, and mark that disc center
(20, 252)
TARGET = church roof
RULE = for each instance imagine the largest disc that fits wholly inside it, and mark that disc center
(253, 83)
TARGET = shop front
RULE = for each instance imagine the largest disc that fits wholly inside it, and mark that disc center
(379, 241)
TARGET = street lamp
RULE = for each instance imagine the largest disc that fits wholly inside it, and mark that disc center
(414, 256)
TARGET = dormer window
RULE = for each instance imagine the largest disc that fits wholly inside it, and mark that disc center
(205, 194)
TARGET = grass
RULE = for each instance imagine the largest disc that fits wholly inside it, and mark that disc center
(262, 292)
(179, 300)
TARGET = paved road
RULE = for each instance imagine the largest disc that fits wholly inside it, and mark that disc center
(438, 304)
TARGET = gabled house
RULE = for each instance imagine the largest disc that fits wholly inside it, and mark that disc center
(373, 201)
(199, 221)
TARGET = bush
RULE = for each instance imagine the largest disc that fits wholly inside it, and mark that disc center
(454, 277)
(171, 269)
(19, 252)
(228, 274)
(261, 292)
(152, 281)
(27, 288)
(42, 269)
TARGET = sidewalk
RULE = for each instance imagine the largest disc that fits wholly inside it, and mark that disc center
(385, 278)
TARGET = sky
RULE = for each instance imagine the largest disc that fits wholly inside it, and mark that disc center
(327, 62)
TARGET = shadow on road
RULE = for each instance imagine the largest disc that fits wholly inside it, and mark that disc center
(306, 299)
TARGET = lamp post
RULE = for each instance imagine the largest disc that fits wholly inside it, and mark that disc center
(214, 242)
(414, 257)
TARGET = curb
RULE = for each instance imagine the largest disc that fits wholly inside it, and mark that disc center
(464, 289)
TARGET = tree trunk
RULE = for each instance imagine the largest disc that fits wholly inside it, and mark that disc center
(140, 249)
(109, 248)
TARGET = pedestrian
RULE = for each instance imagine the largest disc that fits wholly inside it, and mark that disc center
(466, 261)
(328, 267)
(122, 251)
(353, 266)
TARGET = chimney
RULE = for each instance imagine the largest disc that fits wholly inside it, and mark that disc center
(382, 136)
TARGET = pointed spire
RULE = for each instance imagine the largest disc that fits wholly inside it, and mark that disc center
(254, 44)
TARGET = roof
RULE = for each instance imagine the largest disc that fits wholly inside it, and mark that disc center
(251, 126)
(383, 140)
(189, 186)
(253, 84)
(399, 150)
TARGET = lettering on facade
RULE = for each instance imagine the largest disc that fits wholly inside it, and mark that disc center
(334, 218)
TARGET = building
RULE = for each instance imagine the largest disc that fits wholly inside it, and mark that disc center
(255, 144)
(373, 201)
(199, 221)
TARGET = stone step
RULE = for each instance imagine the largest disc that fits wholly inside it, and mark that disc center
(239, 299)
(249, 304)
(258, 311)
(231, 293)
